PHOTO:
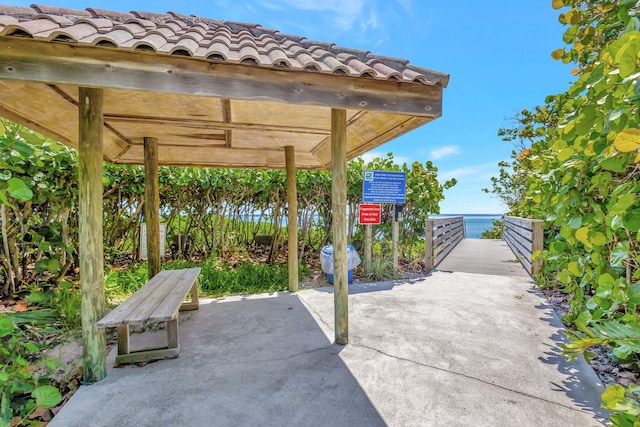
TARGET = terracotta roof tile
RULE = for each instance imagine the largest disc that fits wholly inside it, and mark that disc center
(73, 34)
(52, 10)
(100, 24)
(116, 16)
(172, 33)
(7, 20)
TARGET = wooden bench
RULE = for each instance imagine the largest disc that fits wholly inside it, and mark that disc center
(159, 300)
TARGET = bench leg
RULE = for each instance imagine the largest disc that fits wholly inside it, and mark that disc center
(172, 333)
(125, 355)
(123, 339)
(194, 304)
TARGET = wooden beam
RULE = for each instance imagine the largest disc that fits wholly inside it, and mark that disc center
(152, 205)
(172, 155)
(339, 226)
(90, 233)
(292, 219)
(77, 64)
(213, 124)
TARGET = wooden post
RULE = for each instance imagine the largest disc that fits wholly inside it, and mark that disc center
(395, 231)
(90, 108)
(368, 247)
(537, 244)
(152, 205)
(428, 238)
(292, 219)
(339, 226)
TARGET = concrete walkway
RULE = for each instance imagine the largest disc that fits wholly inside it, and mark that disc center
(483, 256)
(453, 349)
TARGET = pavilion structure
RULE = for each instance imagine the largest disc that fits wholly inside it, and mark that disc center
(168, 89)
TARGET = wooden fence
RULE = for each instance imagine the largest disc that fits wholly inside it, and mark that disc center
(441, 236)
(524, 237)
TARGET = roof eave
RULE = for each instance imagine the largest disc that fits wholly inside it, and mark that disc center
(70, 63)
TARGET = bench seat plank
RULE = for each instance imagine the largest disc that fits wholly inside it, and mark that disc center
(168, 308)
(169, 292)
(118, 315)
(140, 306)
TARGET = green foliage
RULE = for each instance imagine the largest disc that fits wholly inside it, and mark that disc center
(381, 269)
(21, 390)
(37, 194)
(219, 278)
(624, 403)
(495, 232)
(120, 284)
(66, 302)
(578, 169)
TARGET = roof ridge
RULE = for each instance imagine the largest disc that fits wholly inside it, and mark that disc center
(298, 53)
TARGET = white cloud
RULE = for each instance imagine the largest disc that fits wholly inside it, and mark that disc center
(479, 172)
(443, 151)
(398, 160)
(343, 13)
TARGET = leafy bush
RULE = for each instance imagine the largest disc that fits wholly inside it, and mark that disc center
(495, 232)
(224, 278)
(217, 278)
(381, 269)
(21, 391)
(580, 174)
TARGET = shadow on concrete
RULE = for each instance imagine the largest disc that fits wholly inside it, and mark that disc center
(244, 361)
(362, 288)
(575, 389)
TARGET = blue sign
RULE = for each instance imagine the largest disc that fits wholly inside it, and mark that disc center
(384, 187)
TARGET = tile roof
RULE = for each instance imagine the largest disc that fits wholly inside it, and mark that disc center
(193, 36)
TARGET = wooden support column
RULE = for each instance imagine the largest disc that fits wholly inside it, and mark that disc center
(90, 108)
(292, 219)
(537, 244)
(428, 239)
(339, 226)
(152, 205)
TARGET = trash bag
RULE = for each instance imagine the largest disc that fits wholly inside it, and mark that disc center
(326, 258)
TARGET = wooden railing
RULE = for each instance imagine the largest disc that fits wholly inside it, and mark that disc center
(441, 236)
(524, 237)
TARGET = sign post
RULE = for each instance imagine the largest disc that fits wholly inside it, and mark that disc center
(369, 214)
(386, 187)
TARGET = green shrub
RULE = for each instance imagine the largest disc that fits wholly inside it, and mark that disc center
(495, 232)
(21, 390)
(217, 278)
(224, 278)
(381, 269)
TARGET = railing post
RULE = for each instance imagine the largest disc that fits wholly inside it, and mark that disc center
(537, 244)
(428, 238)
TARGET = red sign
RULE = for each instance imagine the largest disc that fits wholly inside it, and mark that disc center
(369, 214)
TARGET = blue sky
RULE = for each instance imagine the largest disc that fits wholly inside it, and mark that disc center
(497, 53)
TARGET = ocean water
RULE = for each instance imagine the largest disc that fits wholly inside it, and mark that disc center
(474, 224)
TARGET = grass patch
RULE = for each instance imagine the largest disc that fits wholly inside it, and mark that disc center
(217, 278)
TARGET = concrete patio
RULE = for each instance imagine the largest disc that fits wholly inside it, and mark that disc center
(452, 349)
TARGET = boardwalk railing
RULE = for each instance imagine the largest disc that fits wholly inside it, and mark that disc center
(524, 237)
(441, 236)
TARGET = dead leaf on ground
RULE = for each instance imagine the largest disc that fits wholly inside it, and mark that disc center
(20, 306)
